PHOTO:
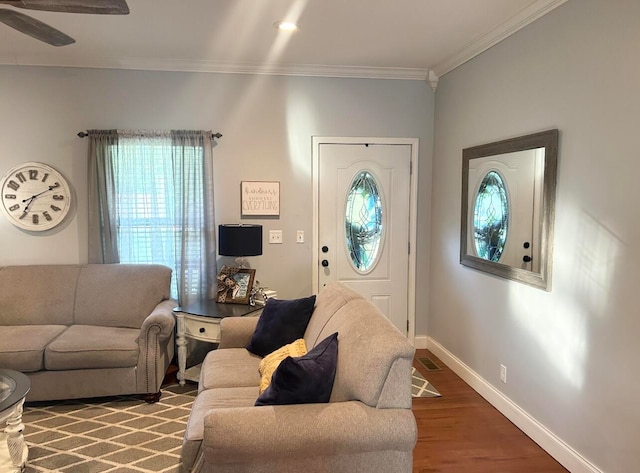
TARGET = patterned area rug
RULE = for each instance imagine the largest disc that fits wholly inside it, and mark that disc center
(120, 434)
(421, 387)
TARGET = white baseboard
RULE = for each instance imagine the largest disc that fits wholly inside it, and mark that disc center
(552, 444)
(420, 341)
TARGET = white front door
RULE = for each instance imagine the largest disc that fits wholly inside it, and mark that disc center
(363, 227)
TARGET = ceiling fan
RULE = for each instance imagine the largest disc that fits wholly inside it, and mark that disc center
(43, 32)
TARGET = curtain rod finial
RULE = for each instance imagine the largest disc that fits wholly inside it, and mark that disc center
(217, 135)
(82, 134)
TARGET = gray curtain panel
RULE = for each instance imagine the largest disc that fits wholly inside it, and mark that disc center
(103, 247)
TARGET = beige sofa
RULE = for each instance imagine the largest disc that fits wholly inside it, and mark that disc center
(90, 330)
(367, 426)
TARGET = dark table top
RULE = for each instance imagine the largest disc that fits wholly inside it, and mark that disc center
(13, 387)
(211, 308)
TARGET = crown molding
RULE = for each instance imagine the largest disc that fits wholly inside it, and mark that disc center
(222, 67)
(526, 16)
(433, 79)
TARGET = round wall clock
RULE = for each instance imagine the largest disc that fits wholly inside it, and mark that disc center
(35, 196)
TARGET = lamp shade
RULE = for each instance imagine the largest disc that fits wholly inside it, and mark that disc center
(240, 240)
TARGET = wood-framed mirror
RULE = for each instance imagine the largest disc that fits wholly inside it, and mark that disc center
(508, 207)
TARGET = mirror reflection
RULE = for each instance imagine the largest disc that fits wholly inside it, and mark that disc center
(507, 207)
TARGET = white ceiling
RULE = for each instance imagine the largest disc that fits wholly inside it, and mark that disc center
(339, 38)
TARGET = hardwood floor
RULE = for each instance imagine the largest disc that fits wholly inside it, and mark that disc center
(461, 432)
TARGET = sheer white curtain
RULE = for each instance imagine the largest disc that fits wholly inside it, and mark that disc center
(151, 201)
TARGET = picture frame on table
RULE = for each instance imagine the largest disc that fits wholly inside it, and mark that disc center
(235, 285)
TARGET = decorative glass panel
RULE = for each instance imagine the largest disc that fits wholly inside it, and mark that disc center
(363, 221)
(491, 217)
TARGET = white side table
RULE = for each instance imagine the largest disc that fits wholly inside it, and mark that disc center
(201, 321)
(14, 387)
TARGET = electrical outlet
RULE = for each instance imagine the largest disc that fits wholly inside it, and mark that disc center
(275, 237)
(300, 236)
(503, 374)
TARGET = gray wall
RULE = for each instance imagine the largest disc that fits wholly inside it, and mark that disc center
(571, 353)
(267, 123)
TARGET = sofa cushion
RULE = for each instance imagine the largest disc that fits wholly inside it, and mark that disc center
(229, 367)
(22, 346)
(38, 295)
(271, 362)
(303, 380)
(88, 346)
(205, 401)
(281, 322)
(120, 295)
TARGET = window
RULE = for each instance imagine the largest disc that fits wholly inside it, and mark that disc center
(159, 206)
(363, 221)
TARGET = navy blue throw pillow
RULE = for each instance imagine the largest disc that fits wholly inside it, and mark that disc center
(305, 379)
(281, 322)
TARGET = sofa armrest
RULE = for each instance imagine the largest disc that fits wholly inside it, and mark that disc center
(160, 320)
(236, 332)
(155, 343)
(262, 434)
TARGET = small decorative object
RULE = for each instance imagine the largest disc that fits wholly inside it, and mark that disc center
(260, 198)
(235, 285)
(34, 196)
(259, 295)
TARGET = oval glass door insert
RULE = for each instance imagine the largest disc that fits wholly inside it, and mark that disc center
(363, 222)
(491, 217)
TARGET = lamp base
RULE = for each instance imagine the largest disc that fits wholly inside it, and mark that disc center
(242, 262)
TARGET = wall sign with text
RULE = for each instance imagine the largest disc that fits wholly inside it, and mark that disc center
(260, 198)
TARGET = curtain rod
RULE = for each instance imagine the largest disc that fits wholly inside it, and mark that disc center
(218, 135)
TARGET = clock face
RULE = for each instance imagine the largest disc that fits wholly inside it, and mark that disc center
(35, 196)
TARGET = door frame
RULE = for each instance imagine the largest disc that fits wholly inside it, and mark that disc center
(317, 141)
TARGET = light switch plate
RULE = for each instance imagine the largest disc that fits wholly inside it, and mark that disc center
(300, 236)
(275, 237)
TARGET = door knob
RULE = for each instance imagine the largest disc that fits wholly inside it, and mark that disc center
(325, 263)
(325, 249)
(526, 258)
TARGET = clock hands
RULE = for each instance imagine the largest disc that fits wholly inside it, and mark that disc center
(50, 188)
(26, 209)
(33, 197)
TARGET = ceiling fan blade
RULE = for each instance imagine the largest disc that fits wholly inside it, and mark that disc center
(98, 7)
(34, 28)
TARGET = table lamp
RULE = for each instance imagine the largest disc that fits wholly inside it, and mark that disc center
(240, 241)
